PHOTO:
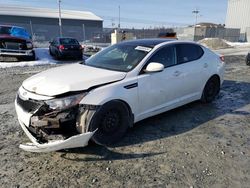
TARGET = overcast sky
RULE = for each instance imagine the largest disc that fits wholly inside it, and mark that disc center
(143, 13)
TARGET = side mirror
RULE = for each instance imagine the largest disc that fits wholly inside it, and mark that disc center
(154, 67)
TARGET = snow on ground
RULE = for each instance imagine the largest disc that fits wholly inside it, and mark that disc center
(43, 58)
(233, 51)
(238, 48)
(239, 44)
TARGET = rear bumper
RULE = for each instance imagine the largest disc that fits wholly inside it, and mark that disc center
(79, 140)
(71, 54)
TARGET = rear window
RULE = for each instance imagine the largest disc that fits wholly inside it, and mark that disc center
(15, 32)
(69, 41)
(20, 32)
(188, 52)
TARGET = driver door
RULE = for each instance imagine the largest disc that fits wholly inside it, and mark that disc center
(159, 91)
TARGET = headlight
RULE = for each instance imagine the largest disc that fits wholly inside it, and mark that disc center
(66, 102)
(29, 45)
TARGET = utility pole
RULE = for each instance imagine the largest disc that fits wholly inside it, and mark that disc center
(60, 17)
(119, 24)
(196, 12)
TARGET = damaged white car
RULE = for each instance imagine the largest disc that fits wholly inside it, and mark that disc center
(101, 98)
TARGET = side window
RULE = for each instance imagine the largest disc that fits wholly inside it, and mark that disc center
(165, 56)
(188, 52)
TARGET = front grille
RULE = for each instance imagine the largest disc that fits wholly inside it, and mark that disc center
(13, 45)
(29, 106)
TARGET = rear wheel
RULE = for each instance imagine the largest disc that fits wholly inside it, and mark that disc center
(50, 52)
(248, 61)
(211, 90)
(112, 121)
(58, 56)
(79, 57)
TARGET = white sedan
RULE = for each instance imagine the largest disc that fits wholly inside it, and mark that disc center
(101, 98)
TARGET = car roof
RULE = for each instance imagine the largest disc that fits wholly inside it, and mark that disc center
(147, 42)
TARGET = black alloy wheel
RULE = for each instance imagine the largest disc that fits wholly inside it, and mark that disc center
(111, 121)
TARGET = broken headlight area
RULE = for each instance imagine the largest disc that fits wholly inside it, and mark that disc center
(60, 125)
(65, 102)
(53, 125)
(57, 119)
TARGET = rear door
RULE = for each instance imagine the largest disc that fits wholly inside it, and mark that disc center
(191, 69)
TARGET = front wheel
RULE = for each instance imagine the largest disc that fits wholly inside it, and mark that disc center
(211, 90)
(112, 121)
(33, 57)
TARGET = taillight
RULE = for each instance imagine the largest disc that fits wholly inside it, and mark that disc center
(80, 47)
(61, 47)
(222, 58)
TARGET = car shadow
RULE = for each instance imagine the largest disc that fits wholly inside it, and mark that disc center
(233, 96)
(95, 152)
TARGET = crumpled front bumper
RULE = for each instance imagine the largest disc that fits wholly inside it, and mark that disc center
(80, 140)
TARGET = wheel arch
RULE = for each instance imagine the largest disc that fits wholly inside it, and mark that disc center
(215, 76)
(128, 108)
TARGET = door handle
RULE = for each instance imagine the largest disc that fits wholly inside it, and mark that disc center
(177, 73)
(205, 65)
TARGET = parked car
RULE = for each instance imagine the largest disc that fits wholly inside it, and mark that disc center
(248, 59)
(101, 98)
(16, 42)
(65, 47)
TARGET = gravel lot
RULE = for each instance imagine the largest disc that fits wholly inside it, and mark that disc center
(198, 145)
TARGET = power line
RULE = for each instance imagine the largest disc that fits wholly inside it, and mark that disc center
(60, 17)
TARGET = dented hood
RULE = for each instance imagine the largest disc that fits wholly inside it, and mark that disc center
(75, 77)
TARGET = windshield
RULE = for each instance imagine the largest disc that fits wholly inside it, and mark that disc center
(119, 57)
(68, 41)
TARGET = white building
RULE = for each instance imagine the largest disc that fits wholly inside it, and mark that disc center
(238, 16)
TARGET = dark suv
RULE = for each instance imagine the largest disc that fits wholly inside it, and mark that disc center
(65, 47)
(16, 42)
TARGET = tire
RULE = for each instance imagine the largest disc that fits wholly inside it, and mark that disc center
(211, 90)
(28, 58)
(50, 53)
(248, 59)
(112, 121)
(79, 57)
(58, 56)
(33, 57)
